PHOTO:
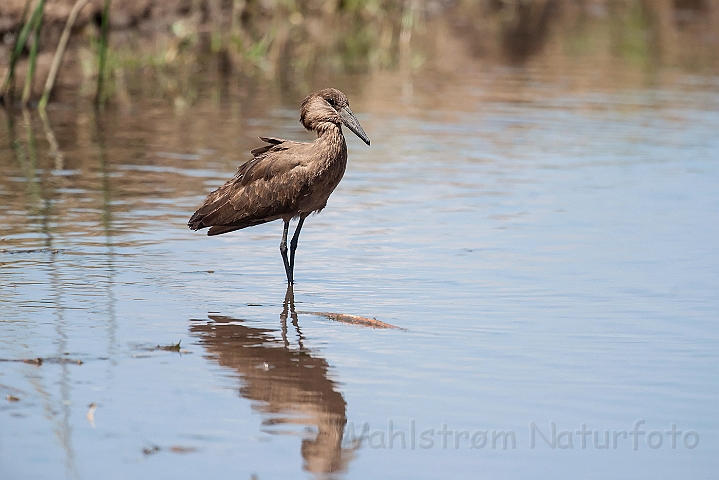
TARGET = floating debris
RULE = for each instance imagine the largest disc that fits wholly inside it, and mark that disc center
(353, 319)
(151, 450)
(12, 398)
(169, 348)
(30, 250)
(39, 360)
(182, 449)
(91, 414)
(149, 347)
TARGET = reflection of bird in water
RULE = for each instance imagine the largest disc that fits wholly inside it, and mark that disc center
(286, 179)
(288, 385)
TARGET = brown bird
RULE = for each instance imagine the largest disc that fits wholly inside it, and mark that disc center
(286, 179)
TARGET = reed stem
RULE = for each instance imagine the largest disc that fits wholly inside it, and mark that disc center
(20, 40)
(27, 91)
(102, 54)
(50, 83)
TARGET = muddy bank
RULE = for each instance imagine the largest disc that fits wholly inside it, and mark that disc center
(125, 13)
(294, 43)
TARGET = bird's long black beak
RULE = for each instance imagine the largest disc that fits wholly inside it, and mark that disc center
(349, 119)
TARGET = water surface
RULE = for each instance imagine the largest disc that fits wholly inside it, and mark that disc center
(549, 253)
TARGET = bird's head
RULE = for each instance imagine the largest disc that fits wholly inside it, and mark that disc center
(330, 106)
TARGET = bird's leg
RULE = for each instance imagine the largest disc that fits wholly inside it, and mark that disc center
(293, 246)
(283, 251)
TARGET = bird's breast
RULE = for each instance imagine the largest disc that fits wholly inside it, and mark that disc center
(324, 175)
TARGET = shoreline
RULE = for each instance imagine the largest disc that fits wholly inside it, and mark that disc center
(296, 45)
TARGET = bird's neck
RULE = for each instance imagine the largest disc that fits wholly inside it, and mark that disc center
(330, 134)
(327, 128)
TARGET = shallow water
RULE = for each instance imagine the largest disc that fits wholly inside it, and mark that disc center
(550, 255)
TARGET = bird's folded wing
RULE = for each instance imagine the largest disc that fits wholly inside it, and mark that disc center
(272, 141)
(263, 189)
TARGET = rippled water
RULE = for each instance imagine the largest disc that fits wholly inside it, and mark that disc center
(549, 253)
